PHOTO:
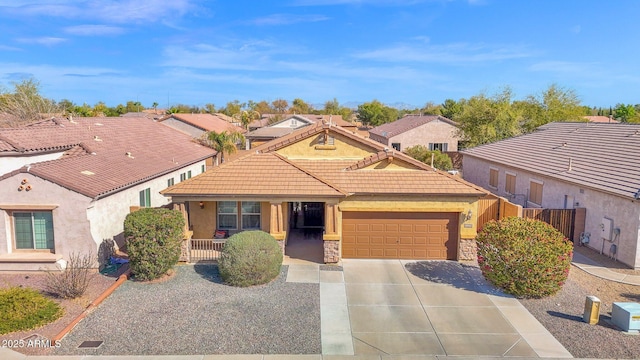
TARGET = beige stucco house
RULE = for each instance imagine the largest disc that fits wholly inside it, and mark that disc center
(568, 165)
(434, 132)
(73, 181)
(364, 201)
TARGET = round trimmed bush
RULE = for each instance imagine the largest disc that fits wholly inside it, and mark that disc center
(524, 257)
(250, 258)
(25, 309)
(154, 237)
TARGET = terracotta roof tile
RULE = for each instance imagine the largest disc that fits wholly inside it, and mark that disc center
(155, 150)
(206, 122)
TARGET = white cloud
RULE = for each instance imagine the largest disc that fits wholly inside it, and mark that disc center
(113, 11)
(45, 40)
(287, 19)
(9, 48)
(94, 30)
(452, 53)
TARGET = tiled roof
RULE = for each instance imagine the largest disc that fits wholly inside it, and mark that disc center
(268, 132)
(405, 124)
(264, 172)
(100, 145)
(601, 156)
(253, 175)
(206, 122)
(314, 118)
(601, 119)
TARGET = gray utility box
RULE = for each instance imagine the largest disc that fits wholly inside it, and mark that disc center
(626, 315)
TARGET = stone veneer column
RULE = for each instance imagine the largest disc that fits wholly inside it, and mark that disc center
(331, 251)
(468, 250)
(331, 237)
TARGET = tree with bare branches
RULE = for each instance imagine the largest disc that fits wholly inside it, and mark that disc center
(24, 104)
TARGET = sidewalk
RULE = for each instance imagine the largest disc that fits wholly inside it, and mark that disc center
(597, 269)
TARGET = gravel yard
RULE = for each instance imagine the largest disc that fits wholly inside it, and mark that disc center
(194, 313)
(562, 314)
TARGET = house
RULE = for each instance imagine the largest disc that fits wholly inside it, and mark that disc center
(287, 125)
(67, 184)
(602, 119)
(432, 131)
(197, 124)
(365, 201)
(565, 165)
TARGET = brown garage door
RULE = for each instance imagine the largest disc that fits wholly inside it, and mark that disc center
(388, 235)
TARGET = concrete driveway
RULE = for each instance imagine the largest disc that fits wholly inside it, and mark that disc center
(394, 307)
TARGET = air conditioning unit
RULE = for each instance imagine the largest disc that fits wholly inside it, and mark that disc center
(626, 315)
(585, 237)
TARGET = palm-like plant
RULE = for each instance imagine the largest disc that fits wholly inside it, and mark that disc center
(223, 142)
(246, 117)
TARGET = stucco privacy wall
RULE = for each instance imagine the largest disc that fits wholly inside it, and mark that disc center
(624, 213)
(107, 214)
(71, 226)
(10, 163)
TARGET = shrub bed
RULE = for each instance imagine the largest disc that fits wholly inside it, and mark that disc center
(25, 309)
(250, 258)
(154, 236)
(524, 257)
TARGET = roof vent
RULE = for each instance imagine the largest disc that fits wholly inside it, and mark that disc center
(87, 172)
(96, 138)
(128, 154)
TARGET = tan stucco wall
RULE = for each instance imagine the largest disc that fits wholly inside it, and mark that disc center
(625, 213)
(344, 148)
(184, 127)
(432, 132)
(204, 220)
(71, 226)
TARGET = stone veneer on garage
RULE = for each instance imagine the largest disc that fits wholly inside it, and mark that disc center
(331, 251)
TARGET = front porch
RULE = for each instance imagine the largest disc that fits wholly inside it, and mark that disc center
(306, 230)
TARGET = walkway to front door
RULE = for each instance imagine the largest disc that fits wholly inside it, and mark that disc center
(304, 247)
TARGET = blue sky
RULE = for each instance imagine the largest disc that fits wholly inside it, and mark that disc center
(196, 51)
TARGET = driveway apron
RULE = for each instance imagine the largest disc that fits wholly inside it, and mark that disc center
(429, 308)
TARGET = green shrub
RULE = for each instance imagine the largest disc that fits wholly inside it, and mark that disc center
(524, 257)
(421, 153)
(250, 258)
(74, 280)
(25, 309)
(153, 239)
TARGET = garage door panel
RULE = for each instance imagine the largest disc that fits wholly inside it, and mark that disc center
(400, 235)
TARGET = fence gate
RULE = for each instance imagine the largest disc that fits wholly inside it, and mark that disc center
(561, 219)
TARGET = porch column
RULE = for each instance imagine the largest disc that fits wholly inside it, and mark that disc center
(276, 225)
(185, 248)
(331, 237)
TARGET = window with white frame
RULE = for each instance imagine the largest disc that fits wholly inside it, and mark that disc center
(170, 182)
(227, 215)
(250, 215)
(33, 230)
(442, 147)
(183, 177)
(145, 197)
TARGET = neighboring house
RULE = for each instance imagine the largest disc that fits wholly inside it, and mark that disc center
(602, 119)
(287, 125)
(197, 124)
(432, 131)
(71, 184)
(565, 165)
(365, 201)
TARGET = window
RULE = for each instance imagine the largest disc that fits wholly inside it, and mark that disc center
(510, 184)
(203, 168)
(189, 174)
(145, 197)
(170, 182)
(493, 178)
(227, 215)
(442, 147)
(183, 177)
(33, 230)
(535, 192)
(330, 140)
(250, 215)
(396, 146)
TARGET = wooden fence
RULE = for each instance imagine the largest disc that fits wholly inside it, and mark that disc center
(561, 219)
(488, 209)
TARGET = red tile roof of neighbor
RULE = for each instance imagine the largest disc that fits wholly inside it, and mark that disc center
(264, 172)
(407, 123)
(601, 119)
(206, 122)
(600, 156)
(96, 161)
(313, 118)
